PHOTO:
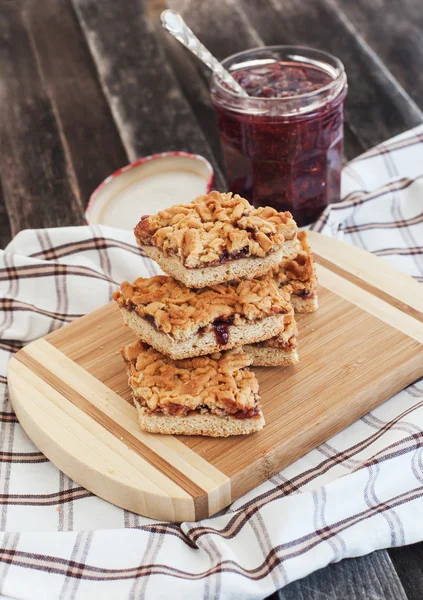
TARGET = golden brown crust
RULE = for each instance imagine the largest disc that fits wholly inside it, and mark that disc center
(298, 276)
(219, 384)
(302, 288)
(180, 311)
(215, 228)
(300, 268)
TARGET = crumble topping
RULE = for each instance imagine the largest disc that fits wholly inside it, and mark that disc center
(181, 312)
(219, 383)
(303, 289)
(215, 228)
(300, 268)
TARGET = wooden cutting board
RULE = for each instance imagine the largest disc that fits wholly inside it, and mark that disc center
(69, 391)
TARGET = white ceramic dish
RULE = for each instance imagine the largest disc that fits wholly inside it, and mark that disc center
(148, 185)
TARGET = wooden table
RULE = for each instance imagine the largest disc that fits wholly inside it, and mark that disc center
(89, 85)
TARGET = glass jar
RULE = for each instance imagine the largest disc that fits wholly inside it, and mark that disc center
(283, 144)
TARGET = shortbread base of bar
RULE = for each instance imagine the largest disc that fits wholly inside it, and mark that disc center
(197, 424)
(304, 305)
(242, 268)
(271, 357)
(200, 345)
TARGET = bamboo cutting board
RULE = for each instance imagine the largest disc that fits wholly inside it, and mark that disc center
(69, 391)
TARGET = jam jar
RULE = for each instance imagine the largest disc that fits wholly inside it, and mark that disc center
(283, 143)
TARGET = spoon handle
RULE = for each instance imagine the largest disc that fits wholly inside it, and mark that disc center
(174, 24)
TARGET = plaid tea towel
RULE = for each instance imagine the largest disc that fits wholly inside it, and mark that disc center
(360, 491)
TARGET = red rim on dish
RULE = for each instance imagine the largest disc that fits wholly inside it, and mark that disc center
(148, 185)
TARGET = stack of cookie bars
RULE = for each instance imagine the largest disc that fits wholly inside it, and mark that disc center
(236, 274)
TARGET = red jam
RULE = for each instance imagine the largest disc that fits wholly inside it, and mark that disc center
(281, 80)
(221, 329)
(283, 145)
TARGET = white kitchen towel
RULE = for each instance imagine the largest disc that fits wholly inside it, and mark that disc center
(360, 491)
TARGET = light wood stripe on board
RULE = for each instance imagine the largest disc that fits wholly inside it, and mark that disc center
(370, 273)
(370, 303)
(364, 285)
(168, 455)
(93, 457)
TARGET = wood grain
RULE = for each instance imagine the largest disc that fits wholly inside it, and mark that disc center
(208, 488)
(370, 273)
(147, 104)
(322, 394)
(100, 461)
(36, 176)
(207, 22)
(110, 424)
(304, 405)
(372, 576)
(408, 563)
(86, 126)
(394, 29)
(193, 78)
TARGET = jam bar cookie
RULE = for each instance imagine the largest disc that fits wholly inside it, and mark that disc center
(182, 322)
(217, 238)
(214, 395)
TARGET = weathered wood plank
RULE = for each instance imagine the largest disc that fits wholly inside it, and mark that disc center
(377, 107)
(239, 33)
(4, 223)
(35, 172)
(222, 26)
(88, 132)
(408, 561)
(194, 83)
(148, 106)
(394, 29)
(372, 576)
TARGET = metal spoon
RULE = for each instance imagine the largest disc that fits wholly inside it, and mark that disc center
(174, 24)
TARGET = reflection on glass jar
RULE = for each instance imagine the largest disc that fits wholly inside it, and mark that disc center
(283, 144)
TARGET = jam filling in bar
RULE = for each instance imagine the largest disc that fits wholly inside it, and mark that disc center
(183, 322)
(214, 395)
(217, 237)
